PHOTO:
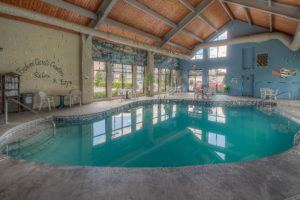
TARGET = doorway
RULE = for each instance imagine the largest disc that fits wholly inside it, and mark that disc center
(248, 85)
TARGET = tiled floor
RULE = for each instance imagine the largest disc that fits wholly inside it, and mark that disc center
(276, 177)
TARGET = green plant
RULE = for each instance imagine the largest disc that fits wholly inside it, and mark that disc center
(226, 89)
(148, 80)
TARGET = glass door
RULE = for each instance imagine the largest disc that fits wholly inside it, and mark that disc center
(195, 79)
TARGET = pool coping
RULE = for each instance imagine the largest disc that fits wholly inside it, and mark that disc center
(292, 154)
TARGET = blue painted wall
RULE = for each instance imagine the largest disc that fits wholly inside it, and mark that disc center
(243, 56)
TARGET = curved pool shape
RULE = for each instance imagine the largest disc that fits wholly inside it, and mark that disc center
(162, 135)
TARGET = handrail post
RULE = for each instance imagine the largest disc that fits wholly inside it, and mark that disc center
(6, 112)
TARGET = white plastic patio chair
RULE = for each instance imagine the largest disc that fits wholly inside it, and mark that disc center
(273, 95)
(45, 99)
(263, 93)
(75, 95)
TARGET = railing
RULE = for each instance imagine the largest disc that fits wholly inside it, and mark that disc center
(31, 110)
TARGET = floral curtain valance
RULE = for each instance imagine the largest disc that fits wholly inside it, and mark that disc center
(115, 53)
(104, 51)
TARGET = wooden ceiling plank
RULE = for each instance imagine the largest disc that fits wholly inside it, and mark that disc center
(205, 20)
(104, 9)
(186, 20)
(131, 29)
(280, 9)
(271, 22)
(226, 9)
(192, 35)
(72, 7)
(151, 12)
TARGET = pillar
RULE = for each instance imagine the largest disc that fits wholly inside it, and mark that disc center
(87, 85)
(149, 70)
(109, 79)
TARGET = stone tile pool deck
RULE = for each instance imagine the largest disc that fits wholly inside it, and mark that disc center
(276, 177)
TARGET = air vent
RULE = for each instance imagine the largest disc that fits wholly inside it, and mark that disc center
(262, 60)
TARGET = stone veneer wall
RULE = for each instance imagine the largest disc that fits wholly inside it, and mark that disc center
(47, 59)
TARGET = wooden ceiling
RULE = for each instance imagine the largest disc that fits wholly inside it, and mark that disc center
(129, 20)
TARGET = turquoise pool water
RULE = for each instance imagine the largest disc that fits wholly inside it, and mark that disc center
(162, 135)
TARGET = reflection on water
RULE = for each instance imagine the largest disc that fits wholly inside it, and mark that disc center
(168, 135)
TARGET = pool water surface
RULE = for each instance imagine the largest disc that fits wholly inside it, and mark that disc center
(162, 135)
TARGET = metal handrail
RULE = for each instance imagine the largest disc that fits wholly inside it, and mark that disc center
(31, 110)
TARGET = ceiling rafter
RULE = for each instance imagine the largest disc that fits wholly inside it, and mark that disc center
(196, 37)
(186, 20)
(205, 20)
(103, 11)
(270, 17)
(162, 18)
(131, 29)
(178, 46)
(280, 9)
(226, 9)
(72, 7)
(142, 33)
(188, 5)
(247, 15)
(201, 17)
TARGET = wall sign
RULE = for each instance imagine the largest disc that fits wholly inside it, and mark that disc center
(41, 71)
(284, 72)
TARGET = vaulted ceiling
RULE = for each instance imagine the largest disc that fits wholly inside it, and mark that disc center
(175, 25)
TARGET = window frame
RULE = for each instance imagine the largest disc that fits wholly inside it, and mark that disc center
(105, 71)
(195, 57)
(217, 38)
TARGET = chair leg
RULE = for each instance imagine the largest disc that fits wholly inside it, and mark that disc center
(41, 105)
(49, 105)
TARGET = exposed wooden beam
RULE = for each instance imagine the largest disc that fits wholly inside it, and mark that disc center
(103, 11)
(196, 37)
(151, 12)
(38, 17)
(247, 15)
(132, 29)
(227, 9)
(280, 9)
(206, 21)
(72, 7)
(186, 20)
(179, 46)
(188, 5)
(142, 33)
(201, 17)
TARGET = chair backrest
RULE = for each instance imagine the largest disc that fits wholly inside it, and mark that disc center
(75, 92)
(42, 94)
